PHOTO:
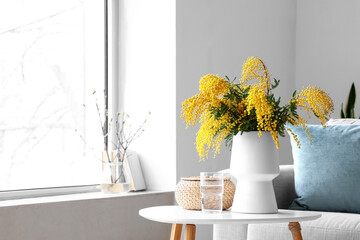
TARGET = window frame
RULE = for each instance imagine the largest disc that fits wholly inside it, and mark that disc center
(76, 189)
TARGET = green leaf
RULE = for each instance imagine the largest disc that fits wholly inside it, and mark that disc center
(273, 86)
(342, 114)
(350, 105)
(229, 141)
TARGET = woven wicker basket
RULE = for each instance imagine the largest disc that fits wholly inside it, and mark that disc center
(187, 193)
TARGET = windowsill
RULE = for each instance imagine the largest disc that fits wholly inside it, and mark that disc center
(77, 197)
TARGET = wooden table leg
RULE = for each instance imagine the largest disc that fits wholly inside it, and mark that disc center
(176, 231)
(190, 230)
(295, 229)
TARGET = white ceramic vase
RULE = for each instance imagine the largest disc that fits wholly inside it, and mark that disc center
(254, 163)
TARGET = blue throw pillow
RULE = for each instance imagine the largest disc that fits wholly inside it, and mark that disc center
(327, 173)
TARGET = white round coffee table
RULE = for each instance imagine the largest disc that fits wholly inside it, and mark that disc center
(179, 216)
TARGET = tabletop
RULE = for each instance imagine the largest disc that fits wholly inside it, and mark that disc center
(178, 215)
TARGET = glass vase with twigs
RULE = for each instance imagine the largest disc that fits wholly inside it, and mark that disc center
(117, 135)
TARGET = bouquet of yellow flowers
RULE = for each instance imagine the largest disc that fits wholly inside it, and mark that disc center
(225, 108)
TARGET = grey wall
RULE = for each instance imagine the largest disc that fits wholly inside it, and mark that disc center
(328, 47)
(303, 42)
(114, 218)
(217, 37)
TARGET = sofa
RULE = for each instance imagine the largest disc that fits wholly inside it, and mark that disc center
(331, 226)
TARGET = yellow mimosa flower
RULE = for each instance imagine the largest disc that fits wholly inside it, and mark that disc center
(225, 108)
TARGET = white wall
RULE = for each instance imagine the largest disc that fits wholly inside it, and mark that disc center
(147, 83)
(328, 49)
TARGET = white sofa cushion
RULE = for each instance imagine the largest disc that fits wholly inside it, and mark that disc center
(229, 231)
(331, 226)
(343, 121)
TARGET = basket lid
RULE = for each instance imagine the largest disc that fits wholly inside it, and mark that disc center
(197, 178)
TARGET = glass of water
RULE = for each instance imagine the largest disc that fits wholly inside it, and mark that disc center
(212, 189)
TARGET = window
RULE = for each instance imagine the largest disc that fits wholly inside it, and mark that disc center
(51, 59)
